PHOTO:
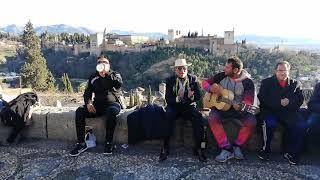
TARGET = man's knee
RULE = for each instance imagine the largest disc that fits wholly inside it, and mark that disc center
(113, 110)
(270, 120)
(250, 121)
(80, 111)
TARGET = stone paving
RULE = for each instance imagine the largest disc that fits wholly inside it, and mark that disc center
(44, 159)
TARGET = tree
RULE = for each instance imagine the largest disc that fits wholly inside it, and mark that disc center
(149, 98)
(35, 72)
(82, 87)
(67, 87)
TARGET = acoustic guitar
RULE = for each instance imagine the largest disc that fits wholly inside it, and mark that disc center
(225, 101)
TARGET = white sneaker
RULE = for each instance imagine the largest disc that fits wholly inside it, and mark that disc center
(224, 156)
(237, 153)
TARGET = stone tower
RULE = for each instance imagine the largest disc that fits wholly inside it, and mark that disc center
(229, 37)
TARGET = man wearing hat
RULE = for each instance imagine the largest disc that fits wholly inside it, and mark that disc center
(105, 84)
(182, 92)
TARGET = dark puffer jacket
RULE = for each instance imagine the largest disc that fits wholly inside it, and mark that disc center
(17, 110)
(106, 89)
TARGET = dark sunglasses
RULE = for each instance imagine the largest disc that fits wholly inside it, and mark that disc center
(180, 68)
(104, 62)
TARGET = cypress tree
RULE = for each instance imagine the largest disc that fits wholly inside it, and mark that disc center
(34, 72)
(67, 87)
(149, 95)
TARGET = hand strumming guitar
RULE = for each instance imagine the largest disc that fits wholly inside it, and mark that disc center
(215, 89)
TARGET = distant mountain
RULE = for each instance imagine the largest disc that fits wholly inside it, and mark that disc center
(151, 35)
(56, 29)
(12, 29)
(275, 40)
(62, 28)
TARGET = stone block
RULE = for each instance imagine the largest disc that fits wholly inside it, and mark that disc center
(98, 126)
(61, 124)
(38, 126)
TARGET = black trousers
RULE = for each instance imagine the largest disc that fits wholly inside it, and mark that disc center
(109, 112)
(186, 112)
(295, 127)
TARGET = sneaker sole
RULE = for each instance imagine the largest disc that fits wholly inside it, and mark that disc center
(107, 153)
(239, 158)
(79, 152)
(285, 156)
(230, 157)
(262, 158)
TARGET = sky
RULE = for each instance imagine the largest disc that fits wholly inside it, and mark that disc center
(285, 18)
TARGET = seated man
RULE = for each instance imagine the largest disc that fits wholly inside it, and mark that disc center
(237, 80)
(182, 92)
(314, 109)
(280, 99)
(105, 84)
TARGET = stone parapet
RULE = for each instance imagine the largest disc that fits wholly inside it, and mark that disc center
(59, 124)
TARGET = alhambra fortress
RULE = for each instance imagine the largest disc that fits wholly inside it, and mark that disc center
(104, 41)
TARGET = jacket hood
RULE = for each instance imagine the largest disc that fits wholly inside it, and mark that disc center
(244, 75)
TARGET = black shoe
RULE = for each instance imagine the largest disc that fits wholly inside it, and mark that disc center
(78, 149)
(108, 148)
(264, 155)
(200, 153)
(163, 154)
(292, 160)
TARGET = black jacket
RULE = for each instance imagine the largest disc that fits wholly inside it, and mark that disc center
(270, 95)
(102, 88)
(17, 110)
(171, 88)
(147, 123)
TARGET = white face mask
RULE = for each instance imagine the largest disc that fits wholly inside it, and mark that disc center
(103, 66)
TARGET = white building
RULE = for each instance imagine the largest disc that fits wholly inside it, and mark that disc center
(173, 34)
(95, 43)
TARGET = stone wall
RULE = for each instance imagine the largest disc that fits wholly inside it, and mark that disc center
(59, 124)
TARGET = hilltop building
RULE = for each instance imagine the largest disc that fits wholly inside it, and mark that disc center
(211, 43)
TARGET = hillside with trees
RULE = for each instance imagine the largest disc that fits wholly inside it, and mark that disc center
(150, 68)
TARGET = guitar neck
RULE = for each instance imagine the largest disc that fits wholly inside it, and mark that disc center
(226, 100)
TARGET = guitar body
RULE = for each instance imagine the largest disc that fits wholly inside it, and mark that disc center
(211, 100)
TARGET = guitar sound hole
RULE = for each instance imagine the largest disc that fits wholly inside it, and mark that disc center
(219, 99)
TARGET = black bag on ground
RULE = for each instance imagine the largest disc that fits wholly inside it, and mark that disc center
(16, 112)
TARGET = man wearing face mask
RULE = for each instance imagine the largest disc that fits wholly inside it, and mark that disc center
(105, 84)
(280, 99)
(182, 92)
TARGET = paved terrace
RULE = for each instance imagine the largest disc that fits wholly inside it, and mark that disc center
(48, 159)
(43, 152)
